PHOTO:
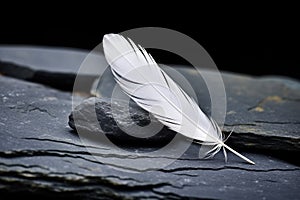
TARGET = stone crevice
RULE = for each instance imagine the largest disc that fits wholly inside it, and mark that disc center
(180, 169)
(30, 108)
(275, 122)
(63, 142)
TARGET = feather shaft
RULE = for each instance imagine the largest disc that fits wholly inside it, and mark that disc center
(238, 154)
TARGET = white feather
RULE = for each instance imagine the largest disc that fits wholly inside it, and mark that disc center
(151, 88)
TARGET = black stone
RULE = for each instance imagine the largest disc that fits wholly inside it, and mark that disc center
(107, 122)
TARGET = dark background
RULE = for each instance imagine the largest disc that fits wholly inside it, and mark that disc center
(243, 39)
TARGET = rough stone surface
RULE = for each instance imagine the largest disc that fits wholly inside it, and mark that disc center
(41, 157)
(107, 121)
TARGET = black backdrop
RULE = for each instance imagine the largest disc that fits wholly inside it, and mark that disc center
(252, 41)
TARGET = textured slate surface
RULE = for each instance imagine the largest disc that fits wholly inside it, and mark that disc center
(40, 155)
